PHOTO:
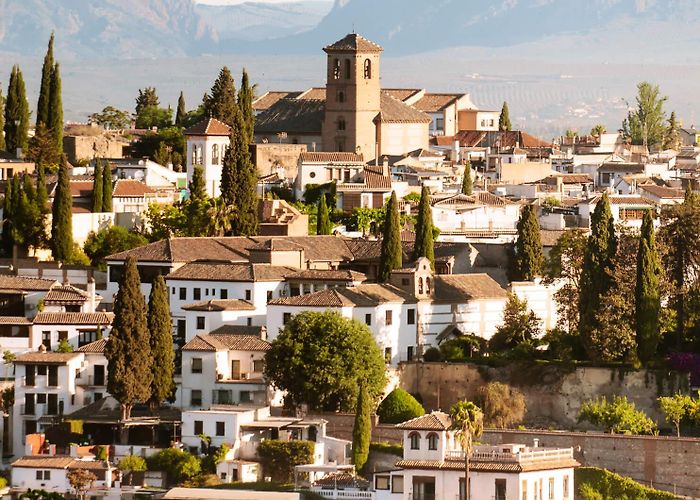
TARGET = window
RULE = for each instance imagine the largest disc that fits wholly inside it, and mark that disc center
(40, 399)
(336, 69)
(368, 319)
(427, 285)
(414, 438)
(248, 294)
(500, 487)
(340, 96)
(312, 175)
(286, 318)
(196, 365)
(215, 154)
(200, 322)
(523, 488)
(220, 428)
(249, 321)
(368, 69)
(389, 317)
(43, 475)
(409, 353)
(246, 397)
(46, 340)
(173, 290)
(405, 282)
(381, 482)
(387, 355)
(432, 441)
(347, 69)
(41, 369)
(269, 295)
(198, 427)
(224, 293)
(397, 484)
(197, 293)
(183, 293)
(551, 488)
(341, 123)
(566, 486)
(411, 317)
(420, 285)
(86, 336)
(196, 397)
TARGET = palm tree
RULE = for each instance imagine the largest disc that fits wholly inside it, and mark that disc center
(468, 421)
(219, 218)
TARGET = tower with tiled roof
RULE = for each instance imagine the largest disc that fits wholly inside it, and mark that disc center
(207, 142)
(353, 96)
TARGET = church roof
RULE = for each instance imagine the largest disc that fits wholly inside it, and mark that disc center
(353, 43)
(292, 116)
(209, 126)
(395, 111)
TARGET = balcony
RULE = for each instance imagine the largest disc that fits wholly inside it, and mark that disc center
(344, 495)
(522, 457)
(91, 381)
(28, 409)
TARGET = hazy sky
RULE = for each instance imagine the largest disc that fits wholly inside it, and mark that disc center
(231, 2)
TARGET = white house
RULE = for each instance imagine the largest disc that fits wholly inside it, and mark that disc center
(207, 142)
(21, 295)
(152, 173)
(626, 209)
(320, 168)
(477, 213)
(131, 198)
(78, 328)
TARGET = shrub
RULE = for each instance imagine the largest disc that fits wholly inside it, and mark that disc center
(593, 483)
(619, 416)
(278, 458)
(398, 407)
(464, 346)
(432, 354)
(132, 463)
(503, 406)
(390, 449)
(179, 465)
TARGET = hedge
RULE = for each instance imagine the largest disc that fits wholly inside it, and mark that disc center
(398, 407)
(593, 483)
(278, 458)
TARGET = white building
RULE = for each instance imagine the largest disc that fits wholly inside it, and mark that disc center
(481, 212)
(207, 142)
(78, 328)
(626, 209)
(320, 168)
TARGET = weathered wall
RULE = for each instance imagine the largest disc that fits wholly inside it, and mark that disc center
(89, 147)
(267, 157)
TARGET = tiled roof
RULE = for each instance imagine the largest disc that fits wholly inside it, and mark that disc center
(624, 200)
(8, 282)
(66, 294)
(460, 287)
(495, 466)
(568, 179)
(220, 305)
(14, 320)
(331, 158)
(435, 420)
(327, 275)
(209, 126)
(257, 331)
(331, 297)
(342, 480)
(375, 179)
(432, 103)
(501, 139)
(269, 98)
(80, 189)
(477, 198)
(621, 167)
(58, 462)
(227, 271)
(353, 43)
(365, 295)
(662, 191)
(97, 346)
(131, 188)
(218, 342)
(277, 245)
(59, 358)
(315, 93)
(401, 94)
(74, 318)
(302, 116)
(395, 111)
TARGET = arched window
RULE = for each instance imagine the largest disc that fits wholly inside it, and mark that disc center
(336, 69)
(347, 69)
(420, 285)
(433, 441)
(341, 123)
(414, 437)
(215, 154)
(368, 69)
(427, 285)
(341, 96)
(194, 154)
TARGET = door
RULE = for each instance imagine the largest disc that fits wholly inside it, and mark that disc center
(53, 376)
(423, 488)
(235, 369)
(52, 407)
(500, 485)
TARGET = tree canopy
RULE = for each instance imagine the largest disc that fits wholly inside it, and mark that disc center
(391, 252)
(529, 256)
(424, 245)
(504, 124)
(645, 124)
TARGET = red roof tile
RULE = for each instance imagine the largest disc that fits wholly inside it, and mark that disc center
(131, 188)
(435, 420)
(353, 43)
(209, 126)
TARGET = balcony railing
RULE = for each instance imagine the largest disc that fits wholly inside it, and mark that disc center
(344, 495)
(91, 381)
(522, 457)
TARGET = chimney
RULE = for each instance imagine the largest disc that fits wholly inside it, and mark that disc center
(92, 303)
(385, 166)
(536, 443)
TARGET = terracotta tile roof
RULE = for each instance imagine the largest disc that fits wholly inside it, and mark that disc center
(218, 342)
(621, 167)
(435, 420)
(442, 140)
(331, 158)
(549, 237)
(461, 287)
(256, 331)
(209, 126)
(97, 346)
(504, 140)
(401, 94)
(477, 198)
(432, 103)
(80, 189)
(88, 464)
(662, 191)
(220, 305)
(376, 180)
(353, 43)
(506, 467)
(44, 461)
(343, 480)
(66, 294)
(332, 297)
(395, 111)
(125, 188)
(326, 275)
(365, 295)
(568, 179)
(294, 116)
(277, 245)
(8, 282)
(315, 93)
(227, 271)
(56, 358)
(81, 208)
(14, 320)
(74, 318)
(269, 98)
(624, 200)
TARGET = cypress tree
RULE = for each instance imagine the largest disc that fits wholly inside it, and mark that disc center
(97, 189)
(106, 187)
(61, 222)
(529, 257)
(467, 181)
(323, 221)
(128, 350)
(8, 204)
(16, 113)
(391, 256)
(196, 185)
(181, 111)
(245, 105)
(17, 190)
(504, 120)
(221, 102)
(228, 171)
(647, 299)
(361, 430)
(20, 214)
(2, 122)
(42, 196)
(42, 107)
(55, 118)
(33, 225)
(424, 246)
(161, 344)
(245, 219)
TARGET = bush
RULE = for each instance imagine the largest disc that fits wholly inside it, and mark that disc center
(432, 354)
(110, 241)
(398, 407)
(390, 449)
(503, 406)
(462, 347)
(132, 463)
(177, 464)
(619, 416)
(278, 458)
(592, 483)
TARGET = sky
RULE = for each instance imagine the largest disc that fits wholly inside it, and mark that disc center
(233, 2)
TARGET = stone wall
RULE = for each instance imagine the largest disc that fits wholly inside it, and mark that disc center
(268, 157)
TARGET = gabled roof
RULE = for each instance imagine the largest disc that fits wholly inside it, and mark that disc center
(46, 358)
(58, 462)
(353, 43)
(9, 282)
(364, 295)
(66, 294)
(74, 318)
(402, 94)
(663, 191)
(218, 342)
(432, 103)
(256, 331)
(464, 287)
(301, 116)
(269, 98)
(228, 271)
(342, 480)
(623, 200)
(621, 167)
(209, 126)
(395, 111)
(220, 305)
(327, 157)
(435, 420)
(15, 321)
(97, 346)
(326, 275)
(125, 188)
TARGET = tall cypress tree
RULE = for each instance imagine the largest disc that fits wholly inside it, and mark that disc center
(529, 257)
(106, 187)
(161, 344)
(62, 223)
(504, 119)
(197, 191)
(55, 118)
(221, 102)
(391, 256)
(361, 430)
(42, 196)
(42, 107)
(97, 187)
(16, 113)
(128, 350)
(245, 220)
(647, 299)
(467, 181)
(8, 216)
(245, 105)
(424, 247)
(228, 170)
(181, 111)
(2, 122)
(33, 225)
(323, 221)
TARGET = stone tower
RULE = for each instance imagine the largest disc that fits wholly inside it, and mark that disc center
(352, 96)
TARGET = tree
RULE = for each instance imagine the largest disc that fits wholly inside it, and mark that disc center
(181, 111)
(676, 408)
(62, 217)
(148, 112)
(97, 187)
(81, 481)
(617, 417)
(565, 262)
(245, 105)
(106, 187)
(391, 253)
(245, 220)
(467, 181)
(468, 421)
(424, 245)
(646, 122)
(221, 101)
(111, 118)
(321, 359)
(598, 130)
(228, 171)
(2, 122)
(362, 429)
(132, 463)
(42, 196)
(672, 137)
(30, 222)
(196, 186)
(16, 113)
(529, 256)
(504, 120)
(108, 241)
(55, 117)
(147, 98)
(42, 147)
(128, 350)
(161, 345)
(323, 221)
(42, 107)
(520, 325)
(398, 407)
(647, 296)
(503, 405)
(31, 494)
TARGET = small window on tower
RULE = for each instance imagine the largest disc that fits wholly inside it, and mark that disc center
(347, 69)
(341, 123)
(336, 69)
(368, 69)
(215, 154)
(341, 96)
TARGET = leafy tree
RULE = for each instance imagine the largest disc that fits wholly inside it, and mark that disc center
(220, 102)
(28, 223)
(504, 120)
(181, 111)
(164, 146)
(42, 196)
(520, 325)
(97, 187)
(565, 262)
(62, 217)
(31, 494)
(646, 122)
(618, 416)
(177, 464)
(132, 463)
(108, 241)
(81, 481)
(503, 405)
(106, 187)
(424, 246)
(55, 118)
(676, 408)
(362, 429)
(16, 113)
(529, 256)
(161, 344)
(391, 255)
(111, 118)
(42, 147)
(147, 98)
(245, 105)
(468, 421)
(42, 107)
(647, 295)
(672, 137)
(154, 117)
(128, 350)
(323, 221)
(64, 346)
(398, 407)
(278, 458)
(601, 484)
(320, 359)
(467, 181)
(598, 130)
(570, 134)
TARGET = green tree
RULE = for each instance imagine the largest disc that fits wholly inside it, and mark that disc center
(55, 118)
(97, 187)
(62, 217)
(245, 105)
(520, 325)
(8, 217)
(147, 98)
(64, 346)
(16, 113)
(503, 405)
(565, 262)
(161, 344)
(181, 111)
(108, 241)
(321, 359)
(42, 147)
(504, 120)
(391, 253)
(42, 107)
(196, 185)
(467, 181)
(154, 117)
(245, 220)
(128, 350)
(618, 416)
(529, 256)
(111, 118)
(42, 196)
(221, 103)
(33, 223)
(646, 121)
(468, 421)
(106, 187)
(323, 221)
(598, 130)
(362, 429)
(672, 137)
(676, 408)
(398, 407)
(647, 295)
(424, 245)
(2, 122)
